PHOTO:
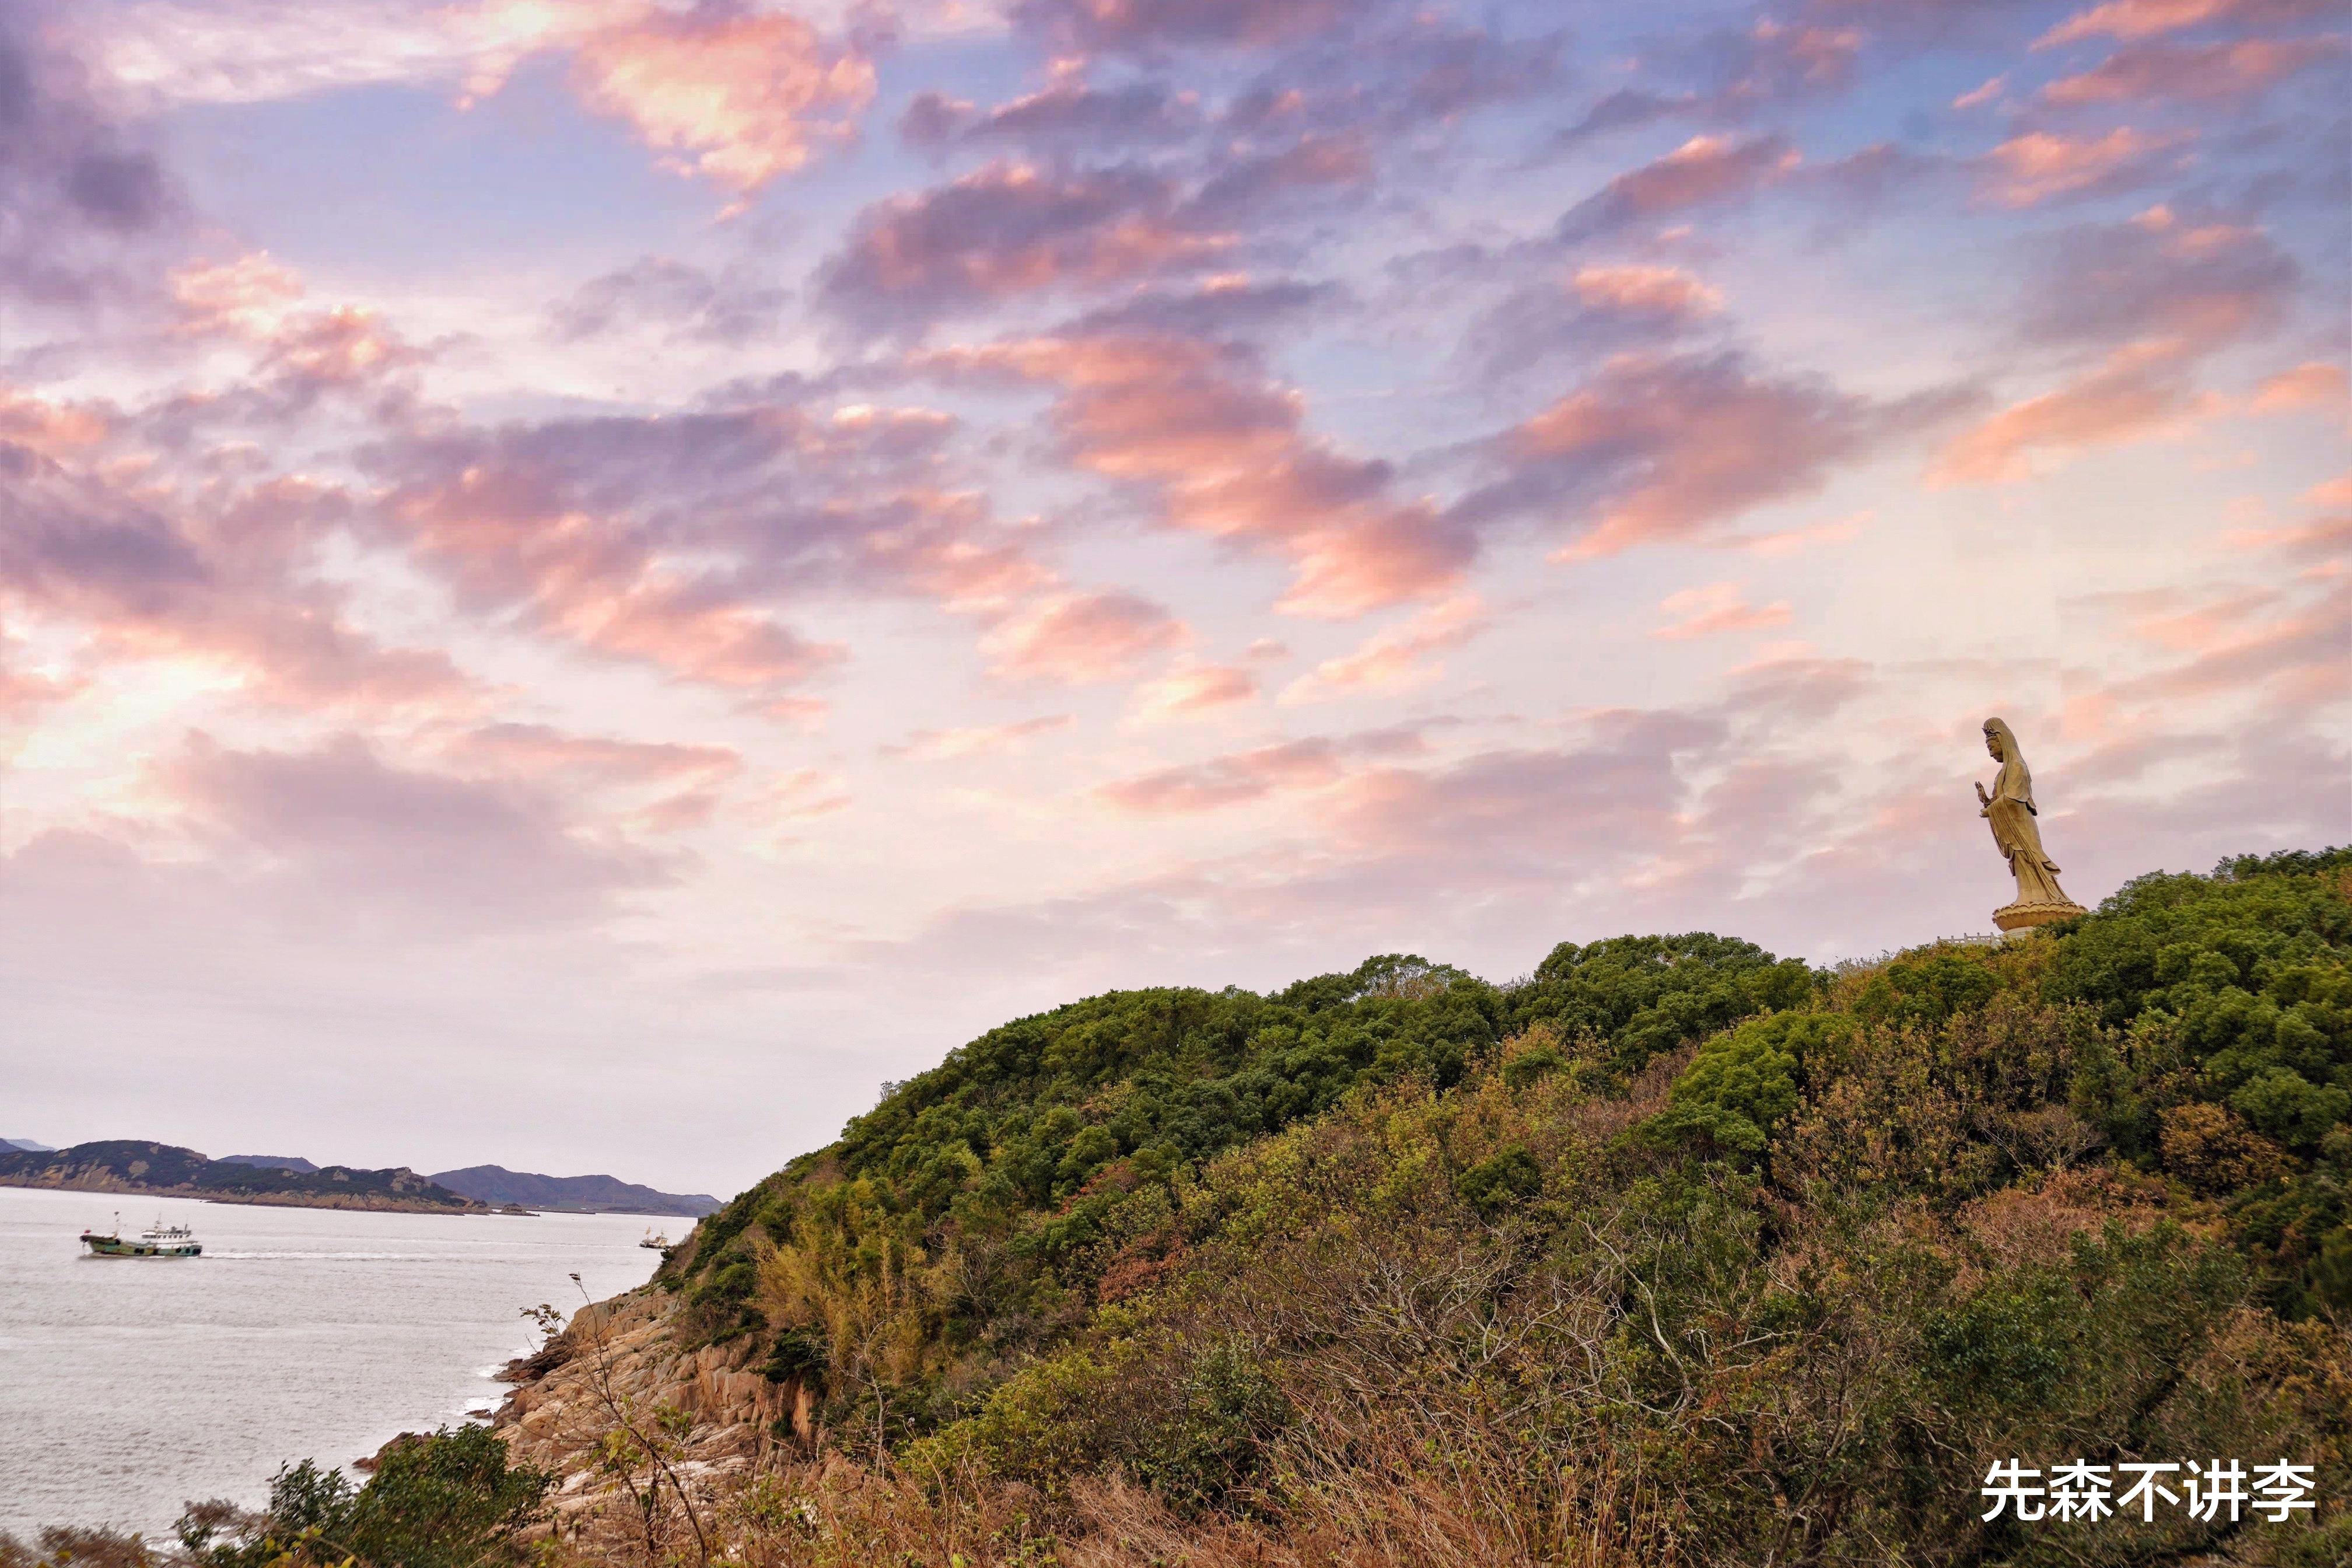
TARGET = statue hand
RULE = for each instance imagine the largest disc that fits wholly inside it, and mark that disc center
(1982, 799)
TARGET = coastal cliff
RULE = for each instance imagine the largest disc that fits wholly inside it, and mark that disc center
(136, 1168)
(633, 1355)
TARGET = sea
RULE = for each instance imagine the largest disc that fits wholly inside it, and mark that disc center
(129, 1386)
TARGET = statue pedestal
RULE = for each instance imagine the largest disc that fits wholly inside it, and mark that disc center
(2020, 917)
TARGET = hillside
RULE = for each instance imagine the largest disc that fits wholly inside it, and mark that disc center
(496, 1185)
(165, 1170)
(1669, 1253)
(271, 1162)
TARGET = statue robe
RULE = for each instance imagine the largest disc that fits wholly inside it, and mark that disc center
(2010, 813)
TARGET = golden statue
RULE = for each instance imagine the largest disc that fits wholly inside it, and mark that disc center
(2008, 810)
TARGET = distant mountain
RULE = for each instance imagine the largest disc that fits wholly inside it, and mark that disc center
(166, 1170)
(271, 1162)
(498, 1186)
(25, 1145)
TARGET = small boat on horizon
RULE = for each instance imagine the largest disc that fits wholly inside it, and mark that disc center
(659, 1243)
(158, 1240)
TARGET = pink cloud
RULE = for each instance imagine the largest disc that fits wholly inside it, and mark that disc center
(2300, 658)
(250, 295)
(2037, 166)
(2196, 284)
(2139, 394)
(976, 741)
(2130, 19)
(2194, 73)
(1982, 94)
(53, 430)
(1192, 689)
(1398, 659)
(1664, 292)
(1008, 229)
(1074, 637)
(1226, 454)
(542, 751)
(1789, 541)
(1666, 448)
(1234, 780)
(1714, 608)
(2317, 384)
(737, 98)
(1703, 171)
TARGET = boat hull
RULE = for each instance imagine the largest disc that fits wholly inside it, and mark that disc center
(111, 1247)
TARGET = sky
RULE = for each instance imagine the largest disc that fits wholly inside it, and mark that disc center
(586, 583)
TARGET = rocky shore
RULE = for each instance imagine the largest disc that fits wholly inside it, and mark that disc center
(622, 1360)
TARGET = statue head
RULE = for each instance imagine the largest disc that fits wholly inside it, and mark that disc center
(1998, 741)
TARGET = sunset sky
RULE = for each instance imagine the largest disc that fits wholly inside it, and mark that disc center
(582, 582)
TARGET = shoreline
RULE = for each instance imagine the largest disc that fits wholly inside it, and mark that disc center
(350, 1202)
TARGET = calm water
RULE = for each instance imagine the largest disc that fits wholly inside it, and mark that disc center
(130, 1385)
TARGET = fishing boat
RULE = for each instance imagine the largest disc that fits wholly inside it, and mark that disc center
(158, 1240)
(658, 1243)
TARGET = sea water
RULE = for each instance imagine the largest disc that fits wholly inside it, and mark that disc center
(128, 1386)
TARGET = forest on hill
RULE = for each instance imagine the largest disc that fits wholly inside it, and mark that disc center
(1670, 1252)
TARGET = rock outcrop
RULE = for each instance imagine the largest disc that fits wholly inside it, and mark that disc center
(625, 1360)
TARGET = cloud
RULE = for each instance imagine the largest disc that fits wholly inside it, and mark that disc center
(1609, 800)
(1704, 171)
(77, 192)
(219, 592)
(2197, 73)
(675, 298)
(339, 835)
(1663, 292)
(1789, 541)
(724, 91)
(1597, 308)
(2132, 19)
(2038, 166)
(1242, 778)
(2160, 293)
(1070, 115)
(2196, 280)
(1398, 659)
(1657, 448)
(542, 751)
(736, 97)
(2141, 392)
(1714, 608)
(978, 741)
(1005, 230)
(1190, 690)
(1223, 451)
(676, 541)
(2302, 657)
(1141, 24)
(249, 296)
(1982, 93)
(2317, 384)
(1236, 780)
(1079, 637)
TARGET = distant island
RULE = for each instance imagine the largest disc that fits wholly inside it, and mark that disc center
(572, 1195)
(165, 1170)
(128, 1165)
